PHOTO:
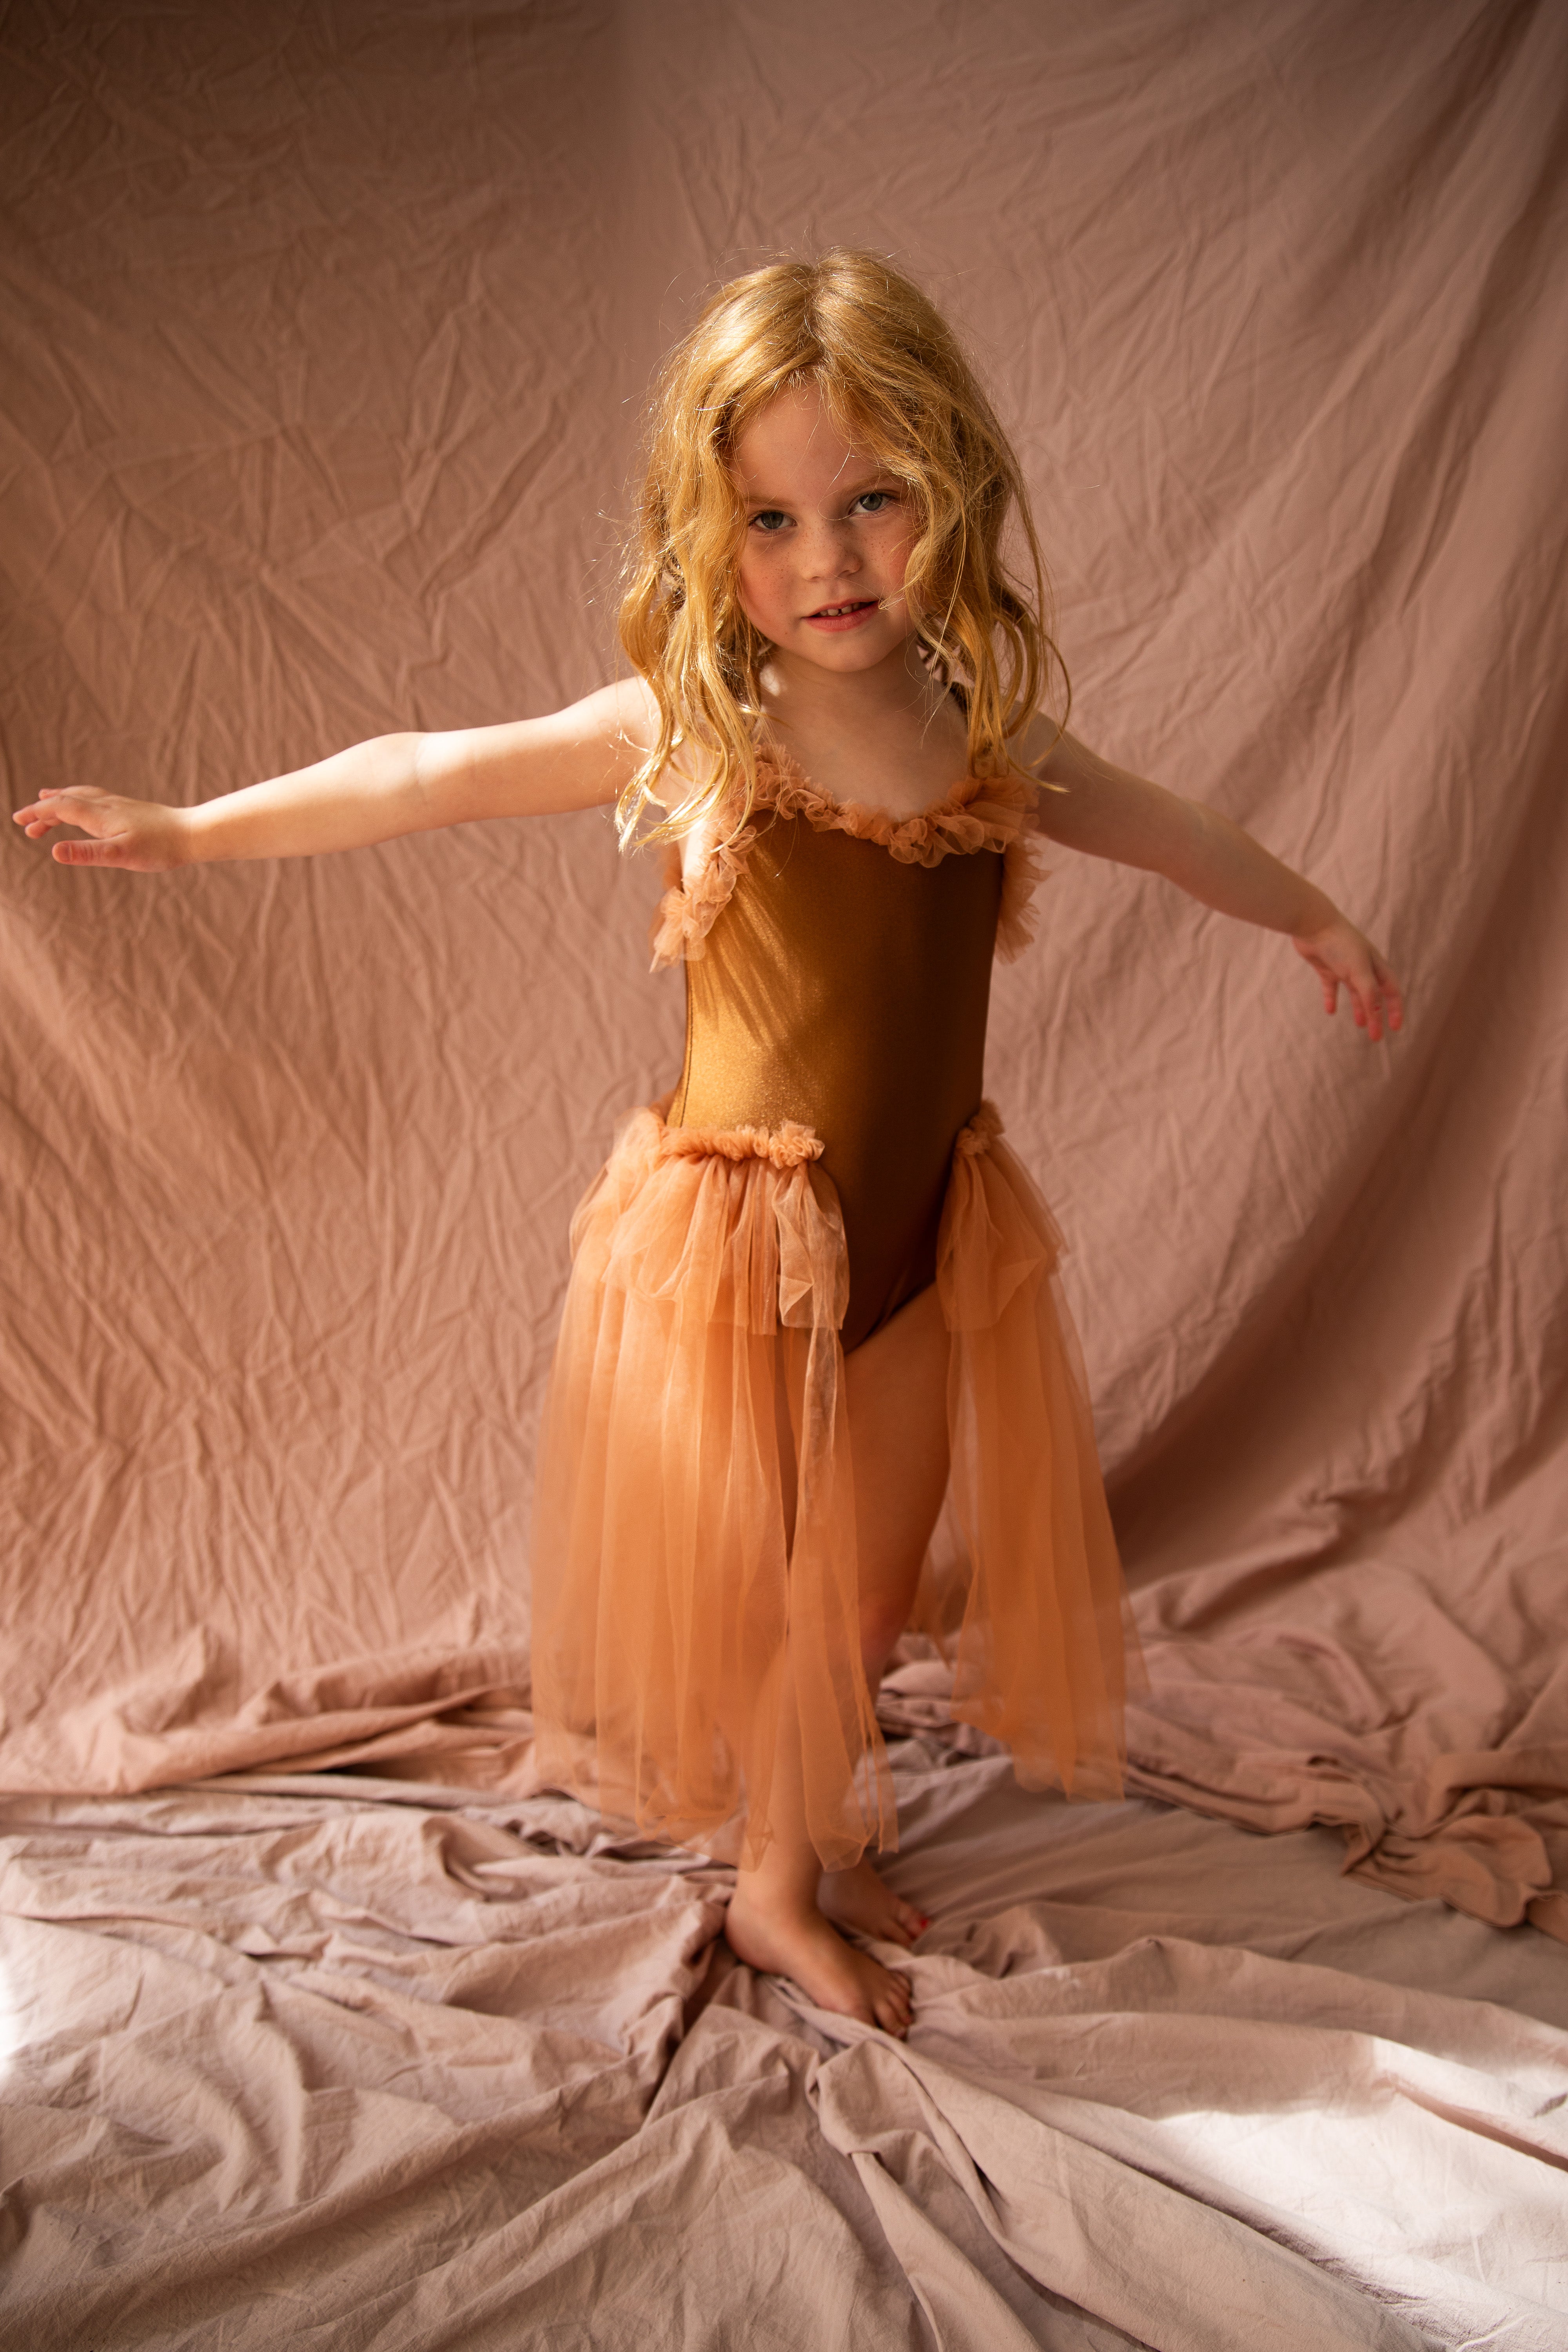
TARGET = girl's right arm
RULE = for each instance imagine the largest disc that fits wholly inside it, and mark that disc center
(575, 758)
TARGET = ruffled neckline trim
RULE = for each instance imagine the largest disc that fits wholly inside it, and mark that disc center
(975, 813)
(946, 828)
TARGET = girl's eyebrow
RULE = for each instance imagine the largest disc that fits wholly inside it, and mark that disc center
(853, 487)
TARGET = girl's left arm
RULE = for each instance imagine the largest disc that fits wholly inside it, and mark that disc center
(1107, 813)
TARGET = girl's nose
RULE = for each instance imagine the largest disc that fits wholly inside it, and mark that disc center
(831, 553)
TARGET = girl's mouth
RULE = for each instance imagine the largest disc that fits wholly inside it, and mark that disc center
(843, 616)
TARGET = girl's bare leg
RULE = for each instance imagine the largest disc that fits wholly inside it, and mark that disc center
(774, 1921)
(897, 1383)
(898, 1428)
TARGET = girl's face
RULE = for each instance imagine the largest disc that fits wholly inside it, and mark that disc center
(827, 540)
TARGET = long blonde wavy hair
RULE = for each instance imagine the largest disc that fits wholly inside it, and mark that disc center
(897, 385)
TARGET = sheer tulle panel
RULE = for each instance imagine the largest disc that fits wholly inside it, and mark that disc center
(708, 1278)
(848, 1788)
(1041, 1652)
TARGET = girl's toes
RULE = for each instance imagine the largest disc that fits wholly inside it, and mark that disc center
(892, 2003)
(893, 2013)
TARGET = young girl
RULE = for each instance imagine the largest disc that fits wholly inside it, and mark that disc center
(811, 1293)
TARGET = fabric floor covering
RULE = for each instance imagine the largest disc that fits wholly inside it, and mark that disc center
(328, 2061)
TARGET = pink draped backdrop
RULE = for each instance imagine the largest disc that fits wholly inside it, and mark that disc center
(327, 325)
(327, 333)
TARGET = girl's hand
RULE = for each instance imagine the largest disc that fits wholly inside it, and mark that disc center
(1344, 958)
(142, 836)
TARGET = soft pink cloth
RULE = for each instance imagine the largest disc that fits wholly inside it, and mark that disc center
(326, 350)
(326, 2068)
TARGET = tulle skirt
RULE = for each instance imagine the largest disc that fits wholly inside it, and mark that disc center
(673, 1609)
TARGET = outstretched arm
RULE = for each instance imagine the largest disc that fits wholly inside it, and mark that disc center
(1107, 813)
(576, 758)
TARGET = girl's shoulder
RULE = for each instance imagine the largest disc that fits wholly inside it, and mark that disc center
(622, 713)
(1040, 745)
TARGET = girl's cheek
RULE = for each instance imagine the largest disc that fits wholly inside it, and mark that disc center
(753, 604)
(760, 586)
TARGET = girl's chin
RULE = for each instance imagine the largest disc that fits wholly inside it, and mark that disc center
(861, 648)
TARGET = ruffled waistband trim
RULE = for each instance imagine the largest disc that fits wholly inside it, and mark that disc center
(785, 1145)
(790, 1143)
(981, 1133)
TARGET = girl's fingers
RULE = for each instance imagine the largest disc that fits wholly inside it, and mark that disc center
(90, 811)
(1384, 1004)
(1362, 988)
(1327, 982)
(128, 835)
(1392, 997)
(80, 805)
(1343, 957)
(86, 853)
(1386, 1008)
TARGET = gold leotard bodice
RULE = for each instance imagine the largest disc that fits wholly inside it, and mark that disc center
(842, 981)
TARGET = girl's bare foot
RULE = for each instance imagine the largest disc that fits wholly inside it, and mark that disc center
(858, 1898)
(794, 1940)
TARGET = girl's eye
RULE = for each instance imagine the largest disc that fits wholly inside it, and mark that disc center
(770, 519)
(873, 501)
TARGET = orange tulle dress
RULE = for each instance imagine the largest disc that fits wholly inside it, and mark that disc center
(826, 1155)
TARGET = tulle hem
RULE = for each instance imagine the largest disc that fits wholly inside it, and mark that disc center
(710, 1280)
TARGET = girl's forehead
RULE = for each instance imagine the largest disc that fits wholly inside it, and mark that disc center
(796, 441)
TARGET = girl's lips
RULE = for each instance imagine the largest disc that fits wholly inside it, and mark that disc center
(850, 617)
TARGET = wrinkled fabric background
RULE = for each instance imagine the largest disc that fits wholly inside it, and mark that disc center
(328, 336)
(326, 331)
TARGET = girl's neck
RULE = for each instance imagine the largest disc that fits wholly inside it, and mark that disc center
(891, 736)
